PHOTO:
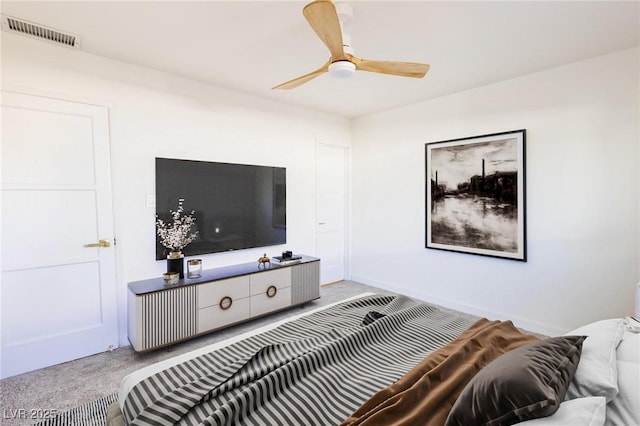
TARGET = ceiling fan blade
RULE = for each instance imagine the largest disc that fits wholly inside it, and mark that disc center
(298, 81)
(404, 69)
(323, 18)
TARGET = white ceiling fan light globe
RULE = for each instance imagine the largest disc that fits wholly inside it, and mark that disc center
(342, 69)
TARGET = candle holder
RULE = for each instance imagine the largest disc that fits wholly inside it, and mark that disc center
(194, 268)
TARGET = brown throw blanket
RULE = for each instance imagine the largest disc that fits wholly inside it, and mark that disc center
(425, 395)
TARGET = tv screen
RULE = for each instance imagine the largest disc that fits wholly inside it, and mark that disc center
(236, 206)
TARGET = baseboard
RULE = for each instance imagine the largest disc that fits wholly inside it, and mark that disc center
(546, 329)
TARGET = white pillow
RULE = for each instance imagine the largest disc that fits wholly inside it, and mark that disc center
(625, 407)
(597, 373)
(589, 411)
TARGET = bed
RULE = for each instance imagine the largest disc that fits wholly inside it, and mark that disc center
(380, 360)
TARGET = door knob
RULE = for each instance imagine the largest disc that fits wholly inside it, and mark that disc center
(101, 243)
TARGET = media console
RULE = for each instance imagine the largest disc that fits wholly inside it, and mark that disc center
(160, 315)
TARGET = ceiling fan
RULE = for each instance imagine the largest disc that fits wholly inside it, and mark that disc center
(329, 20)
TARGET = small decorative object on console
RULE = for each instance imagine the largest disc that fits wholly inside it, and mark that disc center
(176, 235)
(263, 261)
(287, 258)
(175, 263)
(171, 278)
(194, 268)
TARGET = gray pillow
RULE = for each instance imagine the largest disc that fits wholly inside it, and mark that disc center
(525, 383)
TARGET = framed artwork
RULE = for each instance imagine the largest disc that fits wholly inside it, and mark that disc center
(475, 195)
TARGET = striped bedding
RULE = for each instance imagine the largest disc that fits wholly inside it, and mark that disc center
(316, 370)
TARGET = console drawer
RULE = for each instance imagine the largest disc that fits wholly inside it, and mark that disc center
(262, 303)
(214, 316)
(211, 293)
(279, 278)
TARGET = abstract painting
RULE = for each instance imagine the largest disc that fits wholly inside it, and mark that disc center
(475, 195)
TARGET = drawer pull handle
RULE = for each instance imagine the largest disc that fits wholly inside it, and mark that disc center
(272, 291)
(225, 303)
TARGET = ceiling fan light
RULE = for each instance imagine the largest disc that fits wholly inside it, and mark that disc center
(342, 69)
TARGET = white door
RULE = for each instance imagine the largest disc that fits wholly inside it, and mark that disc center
(331, 211)
(58, 296)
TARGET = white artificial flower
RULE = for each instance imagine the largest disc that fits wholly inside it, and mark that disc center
(177, 234)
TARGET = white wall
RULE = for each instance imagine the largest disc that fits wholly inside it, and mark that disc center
(583, 184)
(582, 161)
(153, 114)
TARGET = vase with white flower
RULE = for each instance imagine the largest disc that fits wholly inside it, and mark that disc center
(175, 234)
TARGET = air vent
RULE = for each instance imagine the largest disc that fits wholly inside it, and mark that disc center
(40, 32)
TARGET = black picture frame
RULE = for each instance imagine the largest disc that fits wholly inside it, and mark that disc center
(475, 190)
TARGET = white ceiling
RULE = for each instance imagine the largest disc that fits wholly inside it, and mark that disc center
(254, 45)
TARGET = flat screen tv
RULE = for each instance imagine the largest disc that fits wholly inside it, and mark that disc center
(236, 206)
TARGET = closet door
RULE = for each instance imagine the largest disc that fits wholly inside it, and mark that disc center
(58, 290)
(331, 214)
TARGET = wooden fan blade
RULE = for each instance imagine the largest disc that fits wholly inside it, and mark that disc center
(404, 69)
(323, 18)
(303, 79)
